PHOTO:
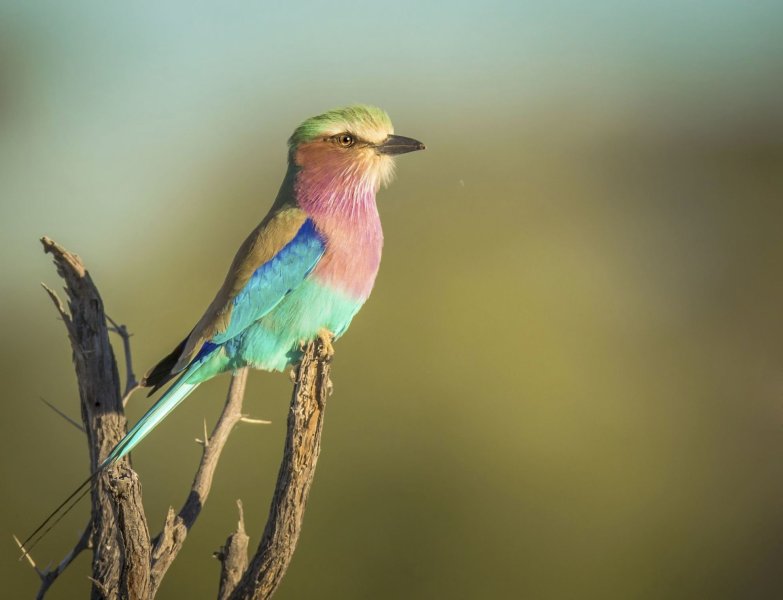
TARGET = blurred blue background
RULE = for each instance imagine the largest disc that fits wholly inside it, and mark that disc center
(568, 380)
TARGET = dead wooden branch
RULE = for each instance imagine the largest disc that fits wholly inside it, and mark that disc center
(104, 421)
(300, 455)
(169, 542)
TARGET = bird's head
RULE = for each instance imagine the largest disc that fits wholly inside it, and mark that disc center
(355, 143)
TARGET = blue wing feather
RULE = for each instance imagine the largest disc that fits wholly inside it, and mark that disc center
(270, 283)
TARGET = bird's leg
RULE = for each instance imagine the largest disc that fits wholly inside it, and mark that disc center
(326, 337)
(326, 352)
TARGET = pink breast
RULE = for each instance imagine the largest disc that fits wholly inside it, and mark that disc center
(352, 257)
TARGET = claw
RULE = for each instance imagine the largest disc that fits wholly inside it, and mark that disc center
(327, 349)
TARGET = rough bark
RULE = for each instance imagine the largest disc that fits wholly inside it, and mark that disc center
(117, 513)
(300, 455)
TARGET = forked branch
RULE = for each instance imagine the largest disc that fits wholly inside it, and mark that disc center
(169, 542)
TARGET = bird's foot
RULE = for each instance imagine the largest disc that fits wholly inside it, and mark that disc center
(327, 349)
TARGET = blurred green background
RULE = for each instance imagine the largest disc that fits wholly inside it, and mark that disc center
(567, 383)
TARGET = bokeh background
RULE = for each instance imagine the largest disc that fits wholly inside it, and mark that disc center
(569, 380)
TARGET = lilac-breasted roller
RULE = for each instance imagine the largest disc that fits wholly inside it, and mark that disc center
(309, 266)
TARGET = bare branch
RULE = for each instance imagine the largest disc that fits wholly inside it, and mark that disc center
(300, 455)
(116, 509)
(48, 576)
(233, 557)
(169, 542)
(131, 383)
(62, 414)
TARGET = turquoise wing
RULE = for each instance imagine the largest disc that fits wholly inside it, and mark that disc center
(273, 280)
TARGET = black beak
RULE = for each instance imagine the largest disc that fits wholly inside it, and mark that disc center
(397, 144)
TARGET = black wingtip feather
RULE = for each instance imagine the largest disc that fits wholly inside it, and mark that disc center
(161, 373)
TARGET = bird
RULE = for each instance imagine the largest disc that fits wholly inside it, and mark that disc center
(303, 272)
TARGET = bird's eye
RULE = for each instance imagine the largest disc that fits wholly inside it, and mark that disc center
(346, 140)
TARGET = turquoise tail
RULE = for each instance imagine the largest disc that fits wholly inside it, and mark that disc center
(152, 418)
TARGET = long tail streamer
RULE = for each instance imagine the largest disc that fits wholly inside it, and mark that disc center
(159, 411)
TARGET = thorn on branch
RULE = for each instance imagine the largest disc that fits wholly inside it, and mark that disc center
(204, 442)
(76, 424)
(26, 555)
(246, 419)
(241, 523)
